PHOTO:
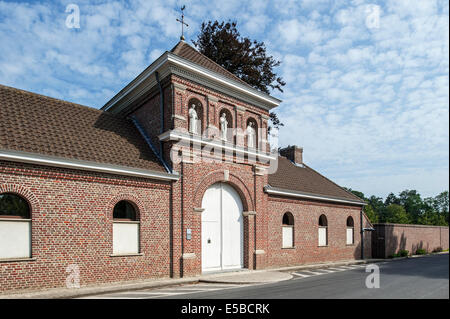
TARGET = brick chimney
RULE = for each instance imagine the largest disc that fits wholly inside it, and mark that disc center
(293, 153)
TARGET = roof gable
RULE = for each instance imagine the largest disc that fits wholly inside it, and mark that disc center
(184, 50)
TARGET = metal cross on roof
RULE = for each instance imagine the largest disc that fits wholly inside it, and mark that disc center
(182, 22)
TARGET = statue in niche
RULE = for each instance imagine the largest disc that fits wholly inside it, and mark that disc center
(250, 135)
(193, 118)
(223, 126)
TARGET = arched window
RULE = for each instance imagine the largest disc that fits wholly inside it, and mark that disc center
(195, 113)
(252, 138)
(13, 206)
(288, 230)
(350, 231)
(323, 230)
(124, 210)
(125, 229)
(15, 227)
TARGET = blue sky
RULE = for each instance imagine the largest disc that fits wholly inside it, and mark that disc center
(366, 95)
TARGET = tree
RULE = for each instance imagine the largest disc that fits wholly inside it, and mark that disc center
(441, 205)
(396, 214)
(377, 205)
(371, 214)
(247, 59)
(391, 199)
(413, 204)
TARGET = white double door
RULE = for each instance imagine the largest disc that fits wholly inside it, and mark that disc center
(222, 229)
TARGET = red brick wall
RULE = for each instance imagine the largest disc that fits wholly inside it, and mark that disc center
(390, 238)
(306, 217)
(72, 224)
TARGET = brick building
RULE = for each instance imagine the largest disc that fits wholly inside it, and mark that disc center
(147, 188)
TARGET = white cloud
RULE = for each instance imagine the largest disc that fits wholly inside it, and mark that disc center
(370, 106)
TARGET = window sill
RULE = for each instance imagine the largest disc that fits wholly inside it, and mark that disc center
(118, 221)
(12, 219)
(350, 245)
(293, 247)
(126, 255)
(324, 246)
(17, 259)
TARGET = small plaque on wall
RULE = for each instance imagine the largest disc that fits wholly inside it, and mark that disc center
(188, 234)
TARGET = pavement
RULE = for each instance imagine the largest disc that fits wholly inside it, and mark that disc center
(228, 279)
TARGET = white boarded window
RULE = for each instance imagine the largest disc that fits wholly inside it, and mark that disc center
(323, 231)
(15, 227)
(350, 231)
(288, 231)
(125, 229)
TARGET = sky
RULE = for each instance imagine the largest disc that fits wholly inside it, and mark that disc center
(367, 81)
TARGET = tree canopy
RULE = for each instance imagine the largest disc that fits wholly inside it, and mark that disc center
(245, 58)
(407, 208)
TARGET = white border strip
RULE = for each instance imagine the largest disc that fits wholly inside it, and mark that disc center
(176, 136)
(183, 63)
(32, 158)
(277, 191)
(221, 79)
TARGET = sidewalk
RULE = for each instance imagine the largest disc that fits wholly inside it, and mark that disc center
(235, 277)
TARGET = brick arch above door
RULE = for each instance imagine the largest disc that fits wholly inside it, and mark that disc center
(233, 180)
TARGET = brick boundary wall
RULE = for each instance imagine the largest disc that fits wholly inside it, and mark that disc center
(388, 239)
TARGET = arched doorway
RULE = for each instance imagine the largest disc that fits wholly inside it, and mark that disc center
(222, 229)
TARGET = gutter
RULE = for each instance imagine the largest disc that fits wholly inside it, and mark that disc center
(38, 159)
(150, 144)
(161, 112)
(283, 192)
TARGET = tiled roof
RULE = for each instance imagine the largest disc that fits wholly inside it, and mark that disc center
(34, 123)
(306, 180)
(184, 50)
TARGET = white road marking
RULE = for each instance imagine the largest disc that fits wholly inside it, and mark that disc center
(337, 269)
(328, 270)
(164, 292)
(324, 271)
(314, 273)
(301, 275)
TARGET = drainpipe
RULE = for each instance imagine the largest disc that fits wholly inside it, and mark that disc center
(362, 233)
(161, 110)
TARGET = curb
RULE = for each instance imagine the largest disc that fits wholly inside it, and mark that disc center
(89, 291)
(65, 293)
(416, 256)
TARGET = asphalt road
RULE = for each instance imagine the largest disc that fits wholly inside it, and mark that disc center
(412, 278)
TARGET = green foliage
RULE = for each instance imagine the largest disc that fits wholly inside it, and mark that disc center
(421, 251)
(245, 58)
(403, 253)
(371, 214)
(407, 208)
(396, 214)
